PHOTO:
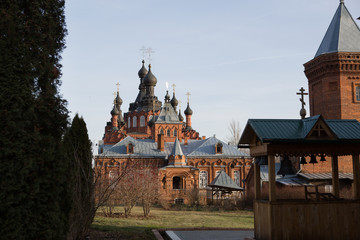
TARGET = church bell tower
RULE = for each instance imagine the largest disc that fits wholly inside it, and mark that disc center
(334, 73)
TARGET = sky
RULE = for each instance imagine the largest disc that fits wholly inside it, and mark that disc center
(239, 59)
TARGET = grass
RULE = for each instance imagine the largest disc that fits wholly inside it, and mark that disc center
(138, 227)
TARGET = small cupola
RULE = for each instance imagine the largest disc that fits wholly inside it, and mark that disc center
(143, 71)
(118, 100)
(188, 110)
(181, 118)
(115, 111)
(167, 97)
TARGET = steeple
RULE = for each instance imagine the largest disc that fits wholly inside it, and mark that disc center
(343, 34)
(177, 156)
(174, 101)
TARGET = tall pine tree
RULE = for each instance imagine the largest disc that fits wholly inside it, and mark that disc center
(33, 118)
(77, 148)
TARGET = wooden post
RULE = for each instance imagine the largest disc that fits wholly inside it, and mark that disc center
(271, 170)
(356, 173)
(257, 181)
(335, 176)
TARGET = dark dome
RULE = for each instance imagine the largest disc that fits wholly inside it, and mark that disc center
(115, 111)
(142, 72)
(188, 110)
(149, 79)
(167, 97)
(174, 102)
(181, 118)
(118, 100)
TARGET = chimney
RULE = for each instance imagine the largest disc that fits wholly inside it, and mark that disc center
(203, 137)
(185, 140)
(160, 142)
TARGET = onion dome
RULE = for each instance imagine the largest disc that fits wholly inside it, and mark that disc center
(167, 97)
(118, 100)
(188, 110)
(152, 121)
(174, 102)
(149, 79)
(181, 118)
(142, 72)
(115, 111)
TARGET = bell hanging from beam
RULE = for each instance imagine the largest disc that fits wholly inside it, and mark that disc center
(303, 160)
(285, 167)
(313, 159)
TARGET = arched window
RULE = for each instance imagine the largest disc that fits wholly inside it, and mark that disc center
(130, 148)
(177, 183)
(142, 121)
(168, 132)
(218, 148)
(237, 177)
(134, 121)
(357, 93)
(203, 179)
(129, 122)
(175, 132)
(161, 131)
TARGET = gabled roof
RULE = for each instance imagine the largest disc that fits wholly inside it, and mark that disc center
(167, 115)
(277, 130)
(176, 151)
(343, 34)
(194, 148)
(224, 181)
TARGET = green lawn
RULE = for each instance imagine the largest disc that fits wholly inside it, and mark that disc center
(138, 227)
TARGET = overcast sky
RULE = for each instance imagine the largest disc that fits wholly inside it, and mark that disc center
(239, 59)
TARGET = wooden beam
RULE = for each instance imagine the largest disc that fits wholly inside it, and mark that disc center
(335, 175)
(271, 169)
(257, 181)
(356, 173)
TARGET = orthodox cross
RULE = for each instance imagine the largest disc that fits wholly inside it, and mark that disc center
(173, 87)
(143, 52)
(179, 105)
(118, 86)
(302, 111)
(188, 97)
(302, 93)
(149, 51)
(115, 97)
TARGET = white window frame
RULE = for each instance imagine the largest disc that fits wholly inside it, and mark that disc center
(134, 121)
(129, 122)
(203, 179)
(237, 177)
(142, 121)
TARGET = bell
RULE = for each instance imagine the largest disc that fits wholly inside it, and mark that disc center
(286, 167)
(262, 160)
(313, 159)
(322, 159)
(303, 160)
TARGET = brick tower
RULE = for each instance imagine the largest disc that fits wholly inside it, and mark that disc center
(334, 73)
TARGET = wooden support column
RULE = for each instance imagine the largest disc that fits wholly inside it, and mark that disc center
(257, 181)
(335, 175)
(271, 169)
(356, 173)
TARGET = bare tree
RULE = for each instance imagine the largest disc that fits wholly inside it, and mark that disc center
(234, 132)
(148, 188)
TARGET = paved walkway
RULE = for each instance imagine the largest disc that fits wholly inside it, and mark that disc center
(209, 234)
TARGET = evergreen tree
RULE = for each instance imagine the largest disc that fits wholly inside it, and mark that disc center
(77, 148)
(33, 118)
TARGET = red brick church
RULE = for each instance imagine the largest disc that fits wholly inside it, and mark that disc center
(156, 133)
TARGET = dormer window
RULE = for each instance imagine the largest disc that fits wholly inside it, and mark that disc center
(218, 148)
(130, 148)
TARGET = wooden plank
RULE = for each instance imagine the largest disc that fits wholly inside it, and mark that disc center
(271, 169)
(335, 175)
(257, 181)
(356, 172)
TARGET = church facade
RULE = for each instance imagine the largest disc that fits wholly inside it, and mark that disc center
(156, 134)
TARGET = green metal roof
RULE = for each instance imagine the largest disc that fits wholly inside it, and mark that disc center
(270, 130)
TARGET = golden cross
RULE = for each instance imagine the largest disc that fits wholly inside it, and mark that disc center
(302, 93)
(118, 86)
(188, 96)
(173, 87)
(115, 97)
(149, 52)
(143, 52)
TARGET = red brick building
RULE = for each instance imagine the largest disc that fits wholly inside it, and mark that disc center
(155, 133)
